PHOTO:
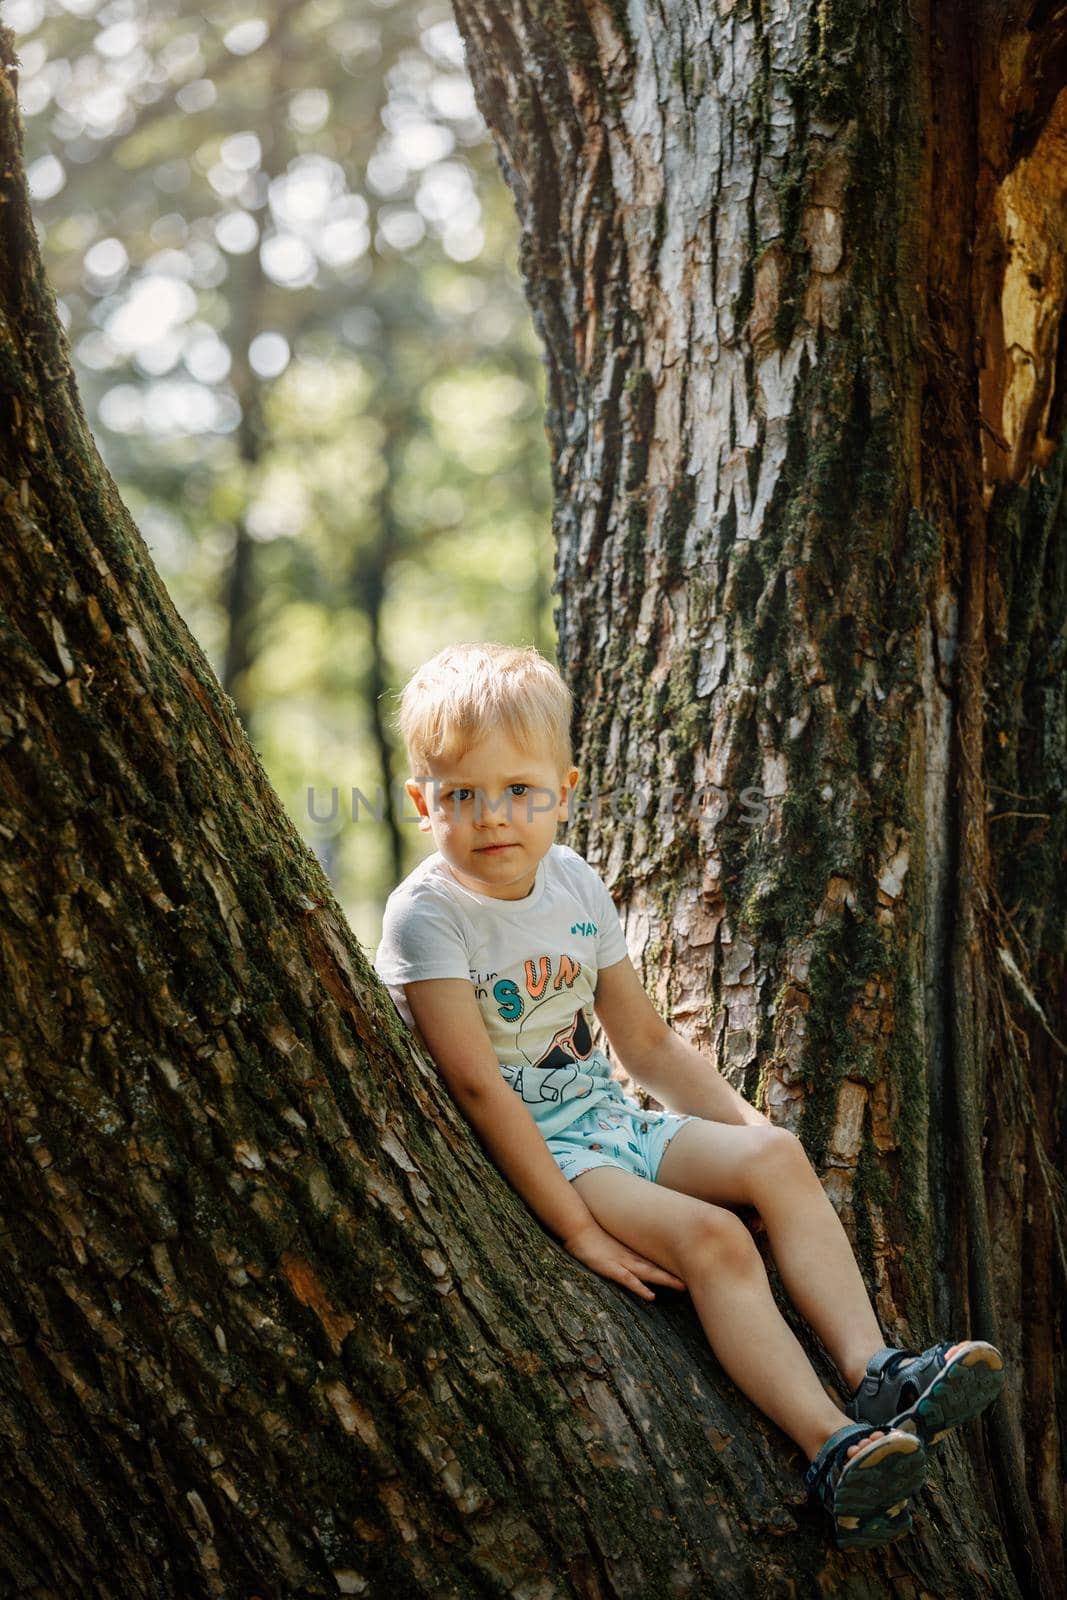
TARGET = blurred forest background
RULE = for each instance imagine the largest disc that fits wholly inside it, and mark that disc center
(287, 265)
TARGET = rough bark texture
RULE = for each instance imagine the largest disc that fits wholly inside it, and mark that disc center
(271, 1323)
(799, 271)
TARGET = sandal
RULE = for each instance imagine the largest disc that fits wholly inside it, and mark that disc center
(930, 1393)
(867, 1495)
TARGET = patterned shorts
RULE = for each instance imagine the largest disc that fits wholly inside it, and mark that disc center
(616, 1133)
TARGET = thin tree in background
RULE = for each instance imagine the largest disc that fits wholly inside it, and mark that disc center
(253, 223)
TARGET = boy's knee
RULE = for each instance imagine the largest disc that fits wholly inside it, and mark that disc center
(719, 1236)
(778, 1149)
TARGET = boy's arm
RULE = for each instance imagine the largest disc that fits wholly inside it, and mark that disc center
(447, 1016)
(659, 1059)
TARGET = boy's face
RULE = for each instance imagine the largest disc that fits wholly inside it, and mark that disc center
(494, 813)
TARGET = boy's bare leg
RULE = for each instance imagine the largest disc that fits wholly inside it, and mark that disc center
(713, 1251)
(731, 1164)
(815, 1260)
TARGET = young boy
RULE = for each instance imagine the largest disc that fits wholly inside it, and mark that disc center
(498, 949)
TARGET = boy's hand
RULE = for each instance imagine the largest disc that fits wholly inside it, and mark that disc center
(613, 1259)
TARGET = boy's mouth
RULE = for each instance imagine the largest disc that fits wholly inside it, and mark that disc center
(487, 849)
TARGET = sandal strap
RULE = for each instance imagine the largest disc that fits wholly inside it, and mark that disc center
(834, 1450)
(885, 1362)
(881, 1359)
(890, 1362)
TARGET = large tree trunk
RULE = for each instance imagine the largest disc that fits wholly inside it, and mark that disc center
(271, 1323)
(799, 269)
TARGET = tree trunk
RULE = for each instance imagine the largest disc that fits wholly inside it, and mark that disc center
(799, 270)
(271, 1322)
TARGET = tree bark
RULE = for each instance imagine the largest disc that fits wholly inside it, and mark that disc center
(799, 271)
(271, 1323)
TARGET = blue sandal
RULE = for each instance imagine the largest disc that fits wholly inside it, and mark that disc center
(930, 1393)
(867, 1495)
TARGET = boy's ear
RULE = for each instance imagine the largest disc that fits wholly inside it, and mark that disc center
(420, 804)
(566, 789)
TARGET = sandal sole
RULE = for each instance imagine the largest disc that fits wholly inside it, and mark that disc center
(871, 1538)
(879, 1477)
(971, 1381)
(885, 1528)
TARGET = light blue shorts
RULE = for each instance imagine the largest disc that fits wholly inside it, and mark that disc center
(616, 1133)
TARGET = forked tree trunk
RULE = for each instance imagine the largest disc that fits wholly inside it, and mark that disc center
(271, 1323)
(800, 269)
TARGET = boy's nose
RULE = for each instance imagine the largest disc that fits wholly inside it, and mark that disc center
(494, 814)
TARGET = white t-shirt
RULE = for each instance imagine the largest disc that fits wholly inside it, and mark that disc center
(533, 963)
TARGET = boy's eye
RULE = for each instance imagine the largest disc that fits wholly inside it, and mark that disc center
(462, 794)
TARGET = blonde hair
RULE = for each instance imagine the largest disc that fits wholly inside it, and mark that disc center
(466, 691)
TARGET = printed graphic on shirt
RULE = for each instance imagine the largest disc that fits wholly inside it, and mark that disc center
(537, 1015)
(482, 982)
(571, 1044)
(535, 994)
(537, 976)
(559, 1064)
(540, 1005)
(540, 1088)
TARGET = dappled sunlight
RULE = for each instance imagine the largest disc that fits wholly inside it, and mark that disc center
(285, 260)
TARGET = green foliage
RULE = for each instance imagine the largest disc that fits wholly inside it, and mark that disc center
(285, 261)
